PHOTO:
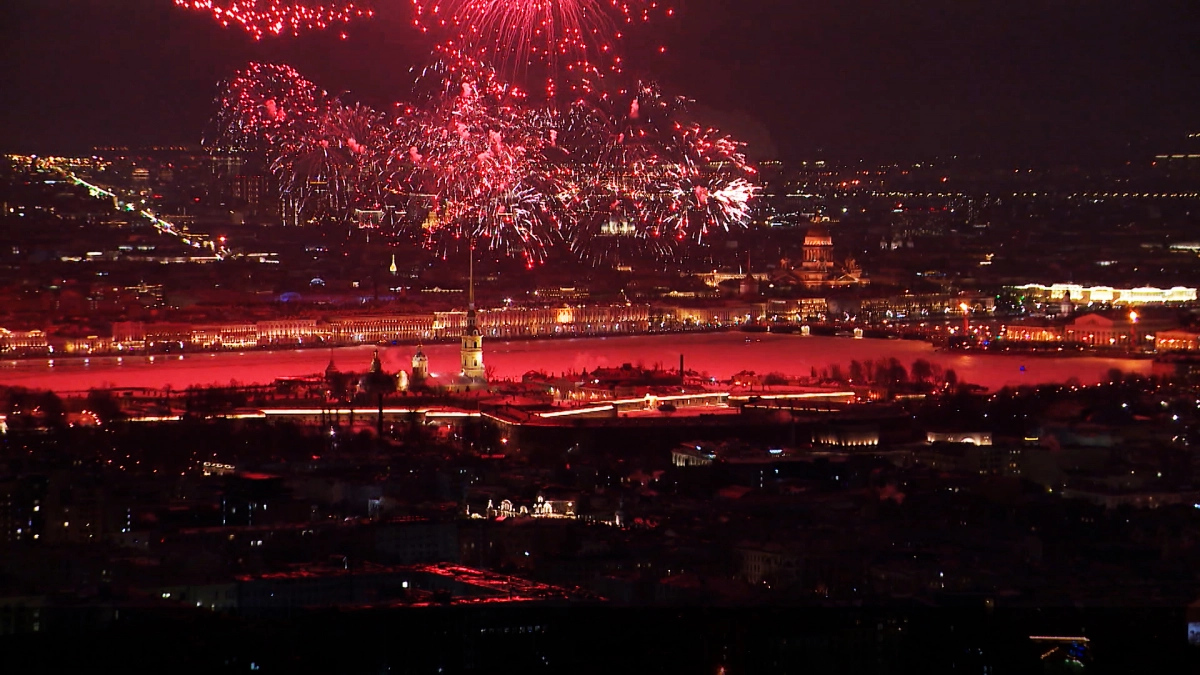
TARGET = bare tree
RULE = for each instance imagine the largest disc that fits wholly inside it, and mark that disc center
(856, 371)
(774, 378)
(921, 371)
(883, 372)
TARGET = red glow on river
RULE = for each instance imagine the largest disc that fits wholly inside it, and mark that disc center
(718, 354)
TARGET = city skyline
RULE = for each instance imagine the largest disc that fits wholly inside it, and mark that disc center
(440, 336)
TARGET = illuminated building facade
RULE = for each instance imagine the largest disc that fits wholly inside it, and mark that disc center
(971, 437)
(229, 336)
(23, 341)
(1181, 340)
(545, 321)
(502, 323)
(375, 329)
(129, 335)
(79, 344)
(728, 314)
(715, 278)
(913, 306)
(687, 455)
(542, 507)
(293, 331)
(1103, 329)
(1107, 295)
(1033, 332)
(797, 309)
(847, 437)
(1116, 329)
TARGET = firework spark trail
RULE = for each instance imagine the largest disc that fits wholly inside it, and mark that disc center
(474, 154)
(261, 18)
(326, 154)
(335, 164)
(641, 172)
(265, 104)
(566, 44)
(572, 43)
(476, 161)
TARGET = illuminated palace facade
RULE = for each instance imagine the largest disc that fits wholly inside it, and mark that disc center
(511, 322)
(1107, 295)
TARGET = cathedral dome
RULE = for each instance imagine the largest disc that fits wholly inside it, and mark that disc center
(818, 235)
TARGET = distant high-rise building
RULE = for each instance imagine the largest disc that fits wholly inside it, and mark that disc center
(253, 189)
(226, 164)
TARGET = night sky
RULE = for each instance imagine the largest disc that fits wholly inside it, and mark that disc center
(844, 79)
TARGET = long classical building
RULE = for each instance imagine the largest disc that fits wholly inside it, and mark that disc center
(1107, 295)
(511, 322)
(1179, 340)
(1112, 328)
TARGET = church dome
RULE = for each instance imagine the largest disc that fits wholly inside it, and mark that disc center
(375, 381)
(818, 235)
(420, 364)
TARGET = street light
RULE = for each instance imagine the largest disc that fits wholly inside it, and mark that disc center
(1133, 319)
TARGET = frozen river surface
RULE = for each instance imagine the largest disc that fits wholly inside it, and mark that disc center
(718, 354)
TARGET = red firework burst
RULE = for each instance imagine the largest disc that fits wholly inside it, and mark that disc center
(574, 41)
(472, 159)
(277, 17)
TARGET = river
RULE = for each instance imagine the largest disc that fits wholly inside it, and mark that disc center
(718, 354)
